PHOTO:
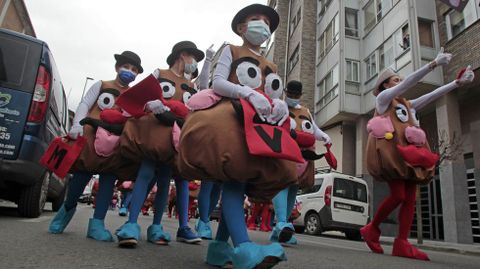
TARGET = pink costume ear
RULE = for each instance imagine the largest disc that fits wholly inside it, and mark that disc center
(380, 126)
(176, 131)
(203, 100)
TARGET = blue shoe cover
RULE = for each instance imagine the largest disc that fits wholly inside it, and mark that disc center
(249, 255)
(97, 231)
(185, 234)
(61, 220)
(219, 253)
(292, 241)
(156, 235)
(282, 232)
(122, 211)
(204, 230)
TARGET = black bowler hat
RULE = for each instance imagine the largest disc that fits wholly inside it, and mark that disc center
(256, 9)
(130, 58)
(187, 46)
(294, 87)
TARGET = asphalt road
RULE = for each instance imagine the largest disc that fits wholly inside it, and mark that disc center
(25, 243)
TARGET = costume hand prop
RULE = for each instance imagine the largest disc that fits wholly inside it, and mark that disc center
(75, 131)
(209, 53)
(443, 58)
(465, 76)
(279, 112)
(156, 106)
(260, 103)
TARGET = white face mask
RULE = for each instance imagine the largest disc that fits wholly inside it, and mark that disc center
(190, 68)
(187, 76)
(257, 32)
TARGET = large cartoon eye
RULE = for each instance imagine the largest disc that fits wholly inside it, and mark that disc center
(402, 113)
(106, 101)
(273, 86)
(168, 89)
(416, 121)
(249, 75)
(307, 126)
(186, 97)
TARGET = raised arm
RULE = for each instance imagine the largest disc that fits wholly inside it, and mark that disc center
(202, 81)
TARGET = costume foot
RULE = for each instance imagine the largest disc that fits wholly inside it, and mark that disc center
(250, 255)
(282, 232)
(156, 235)
(122, 211)
(128, 235)
(371, 236)
(292, 241)
(185, 234)
(403, 248)
(204, 230)
(61, 220)
(97, 231)
(219, 254)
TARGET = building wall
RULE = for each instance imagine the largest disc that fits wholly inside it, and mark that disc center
(14, 16)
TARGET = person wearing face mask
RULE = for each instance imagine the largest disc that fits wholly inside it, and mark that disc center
(306, 129)
(398, 153)
(101, 96)
(213, 145)
(182, 60)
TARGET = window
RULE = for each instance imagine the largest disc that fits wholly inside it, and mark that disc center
(352, 70)
(348, 189)
(329, 37)
(383, 6)
(351, 22)
(386, 53)
(425, 31)
(295, 20)
(321, 46)
(322, 6)
(315, 188)
(369, 15)
(402, 38)
(371, 63)
(293, 59)
(327, 88)
(457, 21)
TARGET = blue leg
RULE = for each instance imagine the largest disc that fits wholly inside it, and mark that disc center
(184, 233)
(232, 210)
(204, 200)
(214, 196)
(219, 252)
(96, 225)
(280, 204)
(155, 232)
(128, 198)
(292, 196)
(76, 186)
(283, 205)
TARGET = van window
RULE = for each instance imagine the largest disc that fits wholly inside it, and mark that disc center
(313, 189)
(19, 60)
(348, 189)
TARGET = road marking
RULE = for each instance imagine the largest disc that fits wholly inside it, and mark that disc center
(36, 220)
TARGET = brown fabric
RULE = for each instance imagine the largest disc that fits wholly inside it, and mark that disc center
(213, 147)
(89, 161)
(147, 138)
(384, 162)
(306, 179)
(179, 81)
(240, 52)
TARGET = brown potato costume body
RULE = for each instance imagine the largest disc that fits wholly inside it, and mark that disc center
(213, 145)
(89, 160)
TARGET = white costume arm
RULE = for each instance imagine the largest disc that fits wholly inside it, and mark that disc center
(87, 102)
(425, 99)
(202, 80)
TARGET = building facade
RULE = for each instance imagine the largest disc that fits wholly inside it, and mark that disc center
(14, 16)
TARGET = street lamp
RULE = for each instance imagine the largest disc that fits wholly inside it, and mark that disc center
(85, 86)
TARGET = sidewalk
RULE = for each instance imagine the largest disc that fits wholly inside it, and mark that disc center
(467, 249)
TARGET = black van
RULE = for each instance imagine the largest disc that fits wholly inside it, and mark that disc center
(33, 111)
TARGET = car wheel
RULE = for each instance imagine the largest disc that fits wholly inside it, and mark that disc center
(312, 224)
(58, 202)
(353, 235)
(33, 198)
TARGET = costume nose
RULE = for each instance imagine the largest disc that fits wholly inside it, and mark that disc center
(415, 135)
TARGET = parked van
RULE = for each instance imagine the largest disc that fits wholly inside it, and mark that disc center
(336, 202)
(33, 111)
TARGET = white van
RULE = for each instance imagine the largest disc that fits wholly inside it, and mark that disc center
(336, 202)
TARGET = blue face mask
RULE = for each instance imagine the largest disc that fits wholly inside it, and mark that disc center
(126, 76)
(190, 68)
(292, 102)
(257, 32)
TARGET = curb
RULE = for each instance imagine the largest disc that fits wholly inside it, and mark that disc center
(438, 248)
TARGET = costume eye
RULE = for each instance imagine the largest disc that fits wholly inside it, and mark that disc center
(168, 89)
(186, 97)
(249, 75)
(307, 126)
(416, 121)
(106, 101)
(402, 113)
(273, 86)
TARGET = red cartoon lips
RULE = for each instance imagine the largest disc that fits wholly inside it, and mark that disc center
(418, 157)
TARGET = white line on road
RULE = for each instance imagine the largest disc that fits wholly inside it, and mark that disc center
(36, 220)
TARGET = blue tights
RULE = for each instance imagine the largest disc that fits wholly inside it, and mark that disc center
(283, 203)
(208, 199)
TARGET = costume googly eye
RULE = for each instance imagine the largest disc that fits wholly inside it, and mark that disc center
(402, 113)
(293, 123)
(186, 97)
(249, 75)
(273, 86)
(106, 101)
(168, 89)
(416, 121)
(307, 126)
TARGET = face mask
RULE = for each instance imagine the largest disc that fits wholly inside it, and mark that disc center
(257, 32)
(190, 68)
(126, 76)
(187, 76)
(292, 102)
